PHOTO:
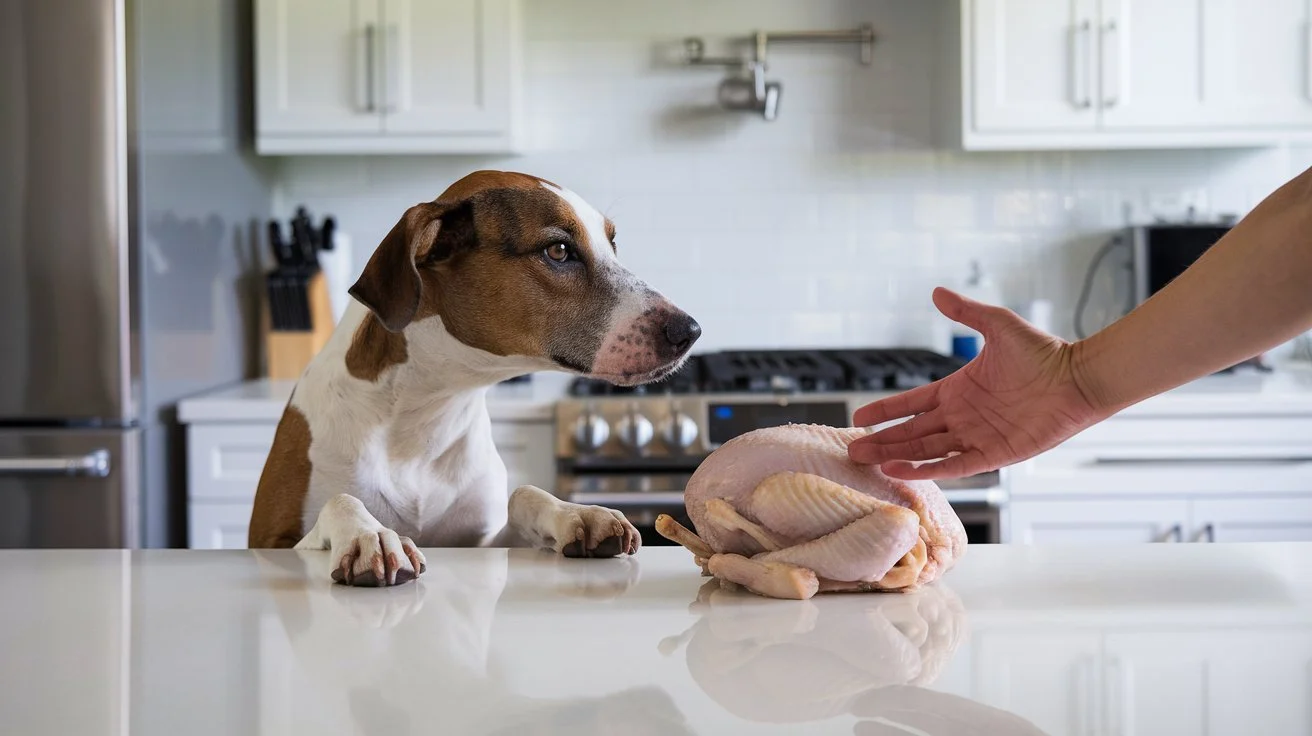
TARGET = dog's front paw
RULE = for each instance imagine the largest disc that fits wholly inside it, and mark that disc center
(377, 559)
(594, 531)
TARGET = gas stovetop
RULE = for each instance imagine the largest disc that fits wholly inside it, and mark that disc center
(790, 371)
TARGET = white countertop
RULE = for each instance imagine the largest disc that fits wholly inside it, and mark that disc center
(1285, 390)
(1288, 390)
(263, 400)
(1155, 639)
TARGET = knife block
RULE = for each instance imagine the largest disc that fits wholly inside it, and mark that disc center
(288, 352)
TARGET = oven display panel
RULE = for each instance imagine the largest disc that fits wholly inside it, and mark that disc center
(726, 421)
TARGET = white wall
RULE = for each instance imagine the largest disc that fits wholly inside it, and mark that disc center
(827, 226)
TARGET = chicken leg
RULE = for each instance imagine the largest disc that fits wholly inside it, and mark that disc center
(834, 539)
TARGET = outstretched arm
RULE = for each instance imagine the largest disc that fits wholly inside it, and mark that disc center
(1028, 391)
(1248, 293)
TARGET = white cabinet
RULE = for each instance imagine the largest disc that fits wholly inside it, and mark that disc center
(315, 69)
(447, 63)
(1049, 678)
(1203, 681)
(1244, 517)
(1012, 92)
(1144, 477)
(387, 76)
(1261, 519)
(1125, 679)
(185, 49)
(1098, 521)
(225, 460)
(1257, 71)
(1149, 74)
(527, 450)
(1072, 74)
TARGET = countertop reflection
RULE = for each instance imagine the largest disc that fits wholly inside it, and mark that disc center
(1135, 639)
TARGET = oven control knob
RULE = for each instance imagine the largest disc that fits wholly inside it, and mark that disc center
(679, 431)
(591, 431)
(635, 430)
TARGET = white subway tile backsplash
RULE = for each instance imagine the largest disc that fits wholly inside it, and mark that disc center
(944, 211)
(829, 225)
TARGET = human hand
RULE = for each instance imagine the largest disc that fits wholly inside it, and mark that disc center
(1017, 398)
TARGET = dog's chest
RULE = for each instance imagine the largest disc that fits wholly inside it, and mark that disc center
(440, 498)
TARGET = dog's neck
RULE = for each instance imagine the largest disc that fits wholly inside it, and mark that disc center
(439, 394)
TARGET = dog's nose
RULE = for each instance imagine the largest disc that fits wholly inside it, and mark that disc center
(682, 332)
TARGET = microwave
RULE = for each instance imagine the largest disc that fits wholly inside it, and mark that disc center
(1162, 251)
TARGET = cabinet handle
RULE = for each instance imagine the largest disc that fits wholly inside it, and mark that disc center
(391, 66)
(1175, 533)
(1119, 700)
(1084, 695)
(1307, 58)
(93, 464)
(369, 72)
(1221, 460)
(1106, 78)
(1080, 71)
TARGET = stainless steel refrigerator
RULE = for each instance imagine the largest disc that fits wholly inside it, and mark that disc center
(122, 232)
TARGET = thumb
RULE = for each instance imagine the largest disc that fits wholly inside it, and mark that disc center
(974, 314)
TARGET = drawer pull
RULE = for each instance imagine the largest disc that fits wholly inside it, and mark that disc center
(1212, 460)
(1174, 534)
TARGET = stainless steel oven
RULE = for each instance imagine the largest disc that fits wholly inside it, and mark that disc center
(635, 449)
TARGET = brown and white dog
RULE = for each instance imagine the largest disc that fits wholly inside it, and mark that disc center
(386, 443)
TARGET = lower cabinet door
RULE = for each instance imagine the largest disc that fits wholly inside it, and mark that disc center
(1098, 522)
(1049, 678)
(218, 525)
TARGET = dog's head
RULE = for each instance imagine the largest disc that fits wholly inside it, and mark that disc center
(516, 266)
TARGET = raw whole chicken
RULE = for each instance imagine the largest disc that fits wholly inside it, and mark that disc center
(783, 512)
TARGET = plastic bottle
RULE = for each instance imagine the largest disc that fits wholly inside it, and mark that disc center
(967, 342)
(335, 259)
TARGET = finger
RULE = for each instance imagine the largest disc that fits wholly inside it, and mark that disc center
(921, 448)
(861, 449)
(916, 401)
(923, 425)
(957, 466)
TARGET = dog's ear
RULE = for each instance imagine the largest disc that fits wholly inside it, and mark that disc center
(390, 285)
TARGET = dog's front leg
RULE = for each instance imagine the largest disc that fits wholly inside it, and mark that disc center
(363, 551)
(541, 520)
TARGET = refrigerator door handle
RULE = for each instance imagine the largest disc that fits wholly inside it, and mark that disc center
(94, 464)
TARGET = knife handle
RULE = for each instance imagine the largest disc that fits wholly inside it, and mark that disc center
(279, 246)
(326, 233)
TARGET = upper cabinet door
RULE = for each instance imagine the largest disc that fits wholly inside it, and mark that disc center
(1149, 73)
(448, 66)
(316, 66)
(1257, 71)
(1033, 65)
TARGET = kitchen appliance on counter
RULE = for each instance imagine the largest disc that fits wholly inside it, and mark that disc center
(1162, 251)
(634, 449)
(1147, 257)
(124, 243)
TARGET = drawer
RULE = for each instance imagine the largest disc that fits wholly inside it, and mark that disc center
(1098, 522)
(1147, 470)
(224, 461)
(1225, 432)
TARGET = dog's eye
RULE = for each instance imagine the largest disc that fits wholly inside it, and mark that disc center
(558, 252)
